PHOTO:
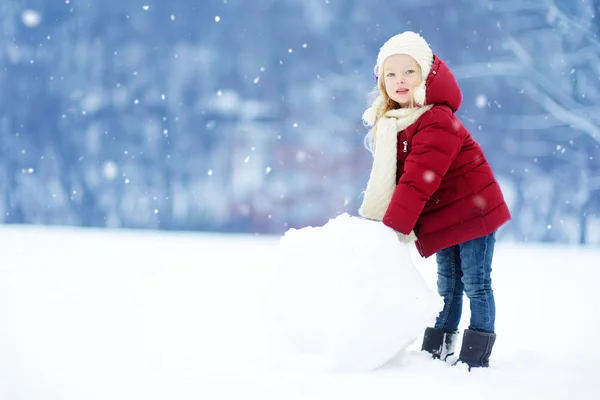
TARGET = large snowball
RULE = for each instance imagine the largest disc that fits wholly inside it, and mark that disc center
(346, 297)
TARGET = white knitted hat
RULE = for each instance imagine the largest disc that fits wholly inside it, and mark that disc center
(414, 45)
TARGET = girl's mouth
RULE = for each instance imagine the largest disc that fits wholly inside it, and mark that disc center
(402, 91)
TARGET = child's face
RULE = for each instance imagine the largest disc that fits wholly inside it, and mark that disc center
(402, 74)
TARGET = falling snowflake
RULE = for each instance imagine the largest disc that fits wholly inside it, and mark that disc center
(429, 176)
(479, 202)
(480, 101)
(31, 18)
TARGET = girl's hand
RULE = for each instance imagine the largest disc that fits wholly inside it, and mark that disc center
(411, 237)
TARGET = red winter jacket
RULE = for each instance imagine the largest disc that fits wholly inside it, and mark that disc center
(446, 191)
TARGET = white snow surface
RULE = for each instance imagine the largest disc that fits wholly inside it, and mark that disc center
(115, 314)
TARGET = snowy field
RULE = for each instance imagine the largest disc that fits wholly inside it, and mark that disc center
(89, 314)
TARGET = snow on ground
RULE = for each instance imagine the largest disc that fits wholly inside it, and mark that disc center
(99, 314)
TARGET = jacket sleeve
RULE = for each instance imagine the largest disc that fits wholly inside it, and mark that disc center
(434, 148)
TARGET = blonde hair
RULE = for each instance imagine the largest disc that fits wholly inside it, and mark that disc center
(381, 103)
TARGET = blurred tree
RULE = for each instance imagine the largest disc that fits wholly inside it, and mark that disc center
(245, 116)
(554, 65)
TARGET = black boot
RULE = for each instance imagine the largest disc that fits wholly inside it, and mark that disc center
(477, 348)
(438, 343)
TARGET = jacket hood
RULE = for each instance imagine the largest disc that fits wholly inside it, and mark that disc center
(442, 87)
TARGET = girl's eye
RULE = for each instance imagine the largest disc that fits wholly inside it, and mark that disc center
(410, 71)
(391, 74)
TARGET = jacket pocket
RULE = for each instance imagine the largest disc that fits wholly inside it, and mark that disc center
(439, 198)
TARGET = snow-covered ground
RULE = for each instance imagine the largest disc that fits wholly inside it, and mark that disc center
(91, 314)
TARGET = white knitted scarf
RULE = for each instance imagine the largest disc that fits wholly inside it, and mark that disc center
(382, 181)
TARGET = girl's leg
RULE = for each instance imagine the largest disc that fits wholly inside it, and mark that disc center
(450, 287)
(476, 262)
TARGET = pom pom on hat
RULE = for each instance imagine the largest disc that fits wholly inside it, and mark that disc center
(409, 43)
(370, 115)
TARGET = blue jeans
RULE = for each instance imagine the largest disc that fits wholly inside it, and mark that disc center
(467, 268)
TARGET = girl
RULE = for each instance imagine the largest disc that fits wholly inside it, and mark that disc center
(432, 184)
